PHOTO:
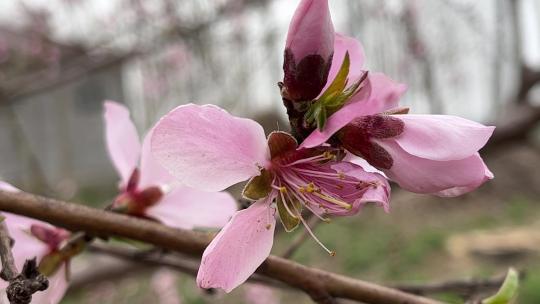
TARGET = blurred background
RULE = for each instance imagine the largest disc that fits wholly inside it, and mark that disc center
(60, 59)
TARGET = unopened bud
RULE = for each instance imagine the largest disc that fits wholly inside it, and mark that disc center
(308, 51)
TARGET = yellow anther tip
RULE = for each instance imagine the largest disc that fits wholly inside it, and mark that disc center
(268, 226)
(282, 189)
(332, 253)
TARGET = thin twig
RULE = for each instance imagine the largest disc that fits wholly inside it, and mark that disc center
(21, 285)
(9, 270)
(160, 259)
(77, 217)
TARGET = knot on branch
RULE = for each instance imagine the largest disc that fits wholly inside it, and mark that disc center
(28, 282)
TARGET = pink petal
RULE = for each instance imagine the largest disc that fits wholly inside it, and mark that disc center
(188, 208)
(207, 148)
(311, 30)
(239, 249)
(122, 139)
(422, 175)
(58, 286)
(379, 193)
(442, 137)
(384, 95)
(7, 187)
(26, 246)
(349, 157)
(343, 44)
(152, 173)
(457, 191)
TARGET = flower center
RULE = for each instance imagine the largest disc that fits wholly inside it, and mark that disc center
(307, 176)
(52, 237)
(135, 201)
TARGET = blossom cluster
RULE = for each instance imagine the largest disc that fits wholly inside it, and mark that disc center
(349, 139)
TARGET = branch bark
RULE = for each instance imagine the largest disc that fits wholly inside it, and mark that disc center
(102, 223)
(9, 270)
(21, 285)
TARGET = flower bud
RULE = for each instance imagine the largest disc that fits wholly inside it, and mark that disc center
(308, 51)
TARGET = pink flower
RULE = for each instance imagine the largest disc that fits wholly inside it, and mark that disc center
(150, 191)
(206, 147)
(436, 154)
(308, 50)
(36, 239)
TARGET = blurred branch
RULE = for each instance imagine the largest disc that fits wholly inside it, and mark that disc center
(515, 128)
(162, 259)
(39, 81)
(21, 285)
(465, 288)
(321, 285)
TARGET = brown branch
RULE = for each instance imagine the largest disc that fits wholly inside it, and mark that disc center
(102, 223)
(9, 270)
(516, 126)
(162, 259)
(465, 288)
(21, 285)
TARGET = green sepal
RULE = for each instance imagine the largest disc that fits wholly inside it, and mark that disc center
(335, 96)
(50, 263)
(508, 291)
(259, 186)
(289, 221)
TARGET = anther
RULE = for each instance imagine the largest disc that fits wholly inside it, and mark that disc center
(333, 200)
(282, 189)
(328, 155)
(311, 187)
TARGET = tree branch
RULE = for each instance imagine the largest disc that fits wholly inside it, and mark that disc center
(464, 288)
(102, 223)
(163, 259)
(9, 270)
(21, 285)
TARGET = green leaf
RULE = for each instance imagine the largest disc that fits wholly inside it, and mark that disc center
(259, 186)
(50, 263)
(340, 82)
(321, 118)
(508, 291)
(335, 96)
(289, 221)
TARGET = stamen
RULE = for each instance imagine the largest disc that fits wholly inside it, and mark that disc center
(329, 155)
(286, 205)
(333, 200)
(310, 188)
(330, 252)
(306, 160)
